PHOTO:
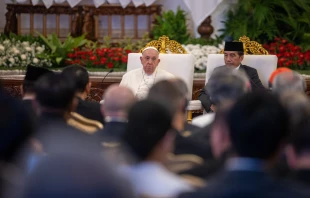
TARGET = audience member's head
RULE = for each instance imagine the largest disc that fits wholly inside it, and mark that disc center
(80, 76)
(55, 92)
(149, 135)
(181, 85)
(298, 106)
(32, 75)
(298, 151)
(288, 81)
(276, 73)
(226, 86)
(167, 93)
(258, 125)
(75, 176)
(117, 101)
(150, 59)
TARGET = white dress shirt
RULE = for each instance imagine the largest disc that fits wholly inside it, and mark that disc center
(153, 179)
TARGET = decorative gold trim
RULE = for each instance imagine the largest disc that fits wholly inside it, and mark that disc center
(84, 124)
(110, 144)
(165, 46)
(251, 47)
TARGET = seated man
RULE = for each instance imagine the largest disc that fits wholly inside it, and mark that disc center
(142, 79)
(233, 56)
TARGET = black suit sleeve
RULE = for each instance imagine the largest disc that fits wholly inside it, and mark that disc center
(255, 81)
(205, 99)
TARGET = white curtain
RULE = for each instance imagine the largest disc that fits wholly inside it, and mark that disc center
(201, 9)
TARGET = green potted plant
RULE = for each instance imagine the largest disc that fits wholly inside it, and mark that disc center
(172, 25)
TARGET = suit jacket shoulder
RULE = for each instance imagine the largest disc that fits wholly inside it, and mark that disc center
(90, 110)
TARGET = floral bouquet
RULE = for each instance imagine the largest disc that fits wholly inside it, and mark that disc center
(289, 55)
(100, 57)
(200, 53)
(14, 53)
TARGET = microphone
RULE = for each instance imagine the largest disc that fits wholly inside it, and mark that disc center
(111, 70)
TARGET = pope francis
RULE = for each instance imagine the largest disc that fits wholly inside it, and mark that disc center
(142, 79)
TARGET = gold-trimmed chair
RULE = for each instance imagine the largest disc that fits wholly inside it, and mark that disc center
(173, 58)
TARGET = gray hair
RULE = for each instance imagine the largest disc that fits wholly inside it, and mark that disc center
(227, 85)
(298, 106)
(289, 81)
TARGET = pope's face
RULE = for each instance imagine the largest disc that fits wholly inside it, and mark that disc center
(232, 58)
(149, 60)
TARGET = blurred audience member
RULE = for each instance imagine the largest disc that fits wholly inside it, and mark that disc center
(276, 73)
(55, 99)
(188, 129)
(79, 74)
(258, 126)
(16, 128)
(298, 154)
(170, 94)
(75, 175)
(298, 106)
(224, 87)
(117, 102)
(32, 75)
(288, 81)
(150, 137)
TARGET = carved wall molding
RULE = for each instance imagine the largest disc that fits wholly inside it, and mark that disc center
(83, 19)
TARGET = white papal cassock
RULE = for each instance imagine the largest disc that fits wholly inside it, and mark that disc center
(140, 83)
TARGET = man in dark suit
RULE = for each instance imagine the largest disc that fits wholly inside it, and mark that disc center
(233, 56)
(79, 74)
(117, 101)
(257, 140)
(32, 75)
(55, 99)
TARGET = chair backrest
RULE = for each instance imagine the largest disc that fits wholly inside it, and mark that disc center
(180, 65)
(264, 64)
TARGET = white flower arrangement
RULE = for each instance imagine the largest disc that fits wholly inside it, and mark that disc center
(14, 53)
(201, 53)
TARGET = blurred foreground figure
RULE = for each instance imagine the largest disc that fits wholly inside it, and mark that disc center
(258, 126)
(32, 75)
(76, 176)
(298, 154)
(150, 138)
(55, 99)
(16, 128)
(117, 102)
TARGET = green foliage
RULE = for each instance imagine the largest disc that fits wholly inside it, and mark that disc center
(22, 38)
(60, 50)
(201, 41)
(107, 42)
(262, 20)
(172, 25)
